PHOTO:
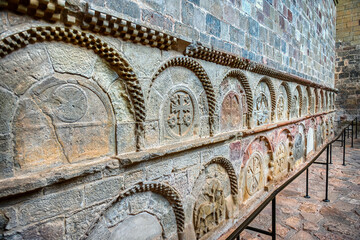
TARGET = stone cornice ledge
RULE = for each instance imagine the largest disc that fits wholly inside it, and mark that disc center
(32, 181)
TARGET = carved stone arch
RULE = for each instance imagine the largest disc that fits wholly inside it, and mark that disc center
(214, 191)
(201, 74)
(102, 49)
(282, 153)
(272, 94)
(168, 192)
(310, 100)
(298, 88)
(238, 74)
(322, 101)
(289, 96)
(227, 165)
(317, 100)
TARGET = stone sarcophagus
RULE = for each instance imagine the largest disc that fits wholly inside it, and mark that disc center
(106, 131)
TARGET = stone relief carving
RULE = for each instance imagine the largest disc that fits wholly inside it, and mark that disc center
(169, 193)
(319, 137)
(299, 146)
(180, 111)
(210, 209)
(262, 111)
(201, 75)
(282, 111)
(295, 104)
(281, 159)
(62, 121)
(109, 54)
(231, 112)
(254, 171)
(71, 103)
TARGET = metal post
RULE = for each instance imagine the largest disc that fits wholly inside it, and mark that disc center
(307, 184)
(330, 153)
(273, 231)
(344, 148)
(327, 175)
(352, 133)
(342, 139)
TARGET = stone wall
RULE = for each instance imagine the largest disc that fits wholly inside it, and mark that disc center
(107, 124)
(293, 36)
(347, 74)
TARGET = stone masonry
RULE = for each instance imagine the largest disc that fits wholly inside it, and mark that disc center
(347, 74)
(176, 116)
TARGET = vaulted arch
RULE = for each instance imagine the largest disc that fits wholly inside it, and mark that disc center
(199, 71)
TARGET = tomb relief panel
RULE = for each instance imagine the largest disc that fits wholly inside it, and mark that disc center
(233, 109)
(305, 104)
(319, 136)
(282, 111)
(149, 210)
(62, 121)
(180, 114)
(212, 198)
(262, 108)
(312, 100)
(299, 147)
(295, 104)
(281, 164)
(231, 112)
(253, 177)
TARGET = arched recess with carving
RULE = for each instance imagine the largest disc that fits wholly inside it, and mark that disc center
(265, 102)
(215, 187)
(317, 100)
(283, 104)
(257, 168)
(244, 99)
(311, 100)
(296, 103)
(102, 49)
(106, 220)
(304, 102)
(298, 146)
(201, 74)
(322, 101)
(282, 153)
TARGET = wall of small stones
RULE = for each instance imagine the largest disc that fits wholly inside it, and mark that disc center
(293, 36)
(347, 73)
(107, 124)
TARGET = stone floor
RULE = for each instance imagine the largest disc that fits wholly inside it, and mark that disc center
(300, 218)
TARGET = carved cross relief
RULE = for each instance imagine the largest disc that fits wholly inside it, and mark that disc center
(253, 173)
(180, 113)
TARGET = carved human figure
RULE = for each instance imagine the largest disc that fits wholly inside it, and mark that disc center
(298, 148)
(212, 211)
(262, 104)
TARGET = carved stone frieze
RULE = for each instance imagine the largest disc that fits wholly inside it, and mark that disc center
(109, 54)
(262, 111)
(209, 211)
(202, 76)
(179, 113)
(254, 173)
(299, 146)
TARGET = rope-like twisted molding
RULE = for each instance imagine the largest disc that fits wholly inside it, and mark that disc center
(230, 171)
(110, 55)
(168, 192)
(288, 93)
(200, 73)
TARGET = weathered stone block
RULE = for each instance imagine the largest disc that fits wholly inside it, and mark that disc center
(213, 25)
(38, 209)
(103, 190)
(68, 58)
(127, 7)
